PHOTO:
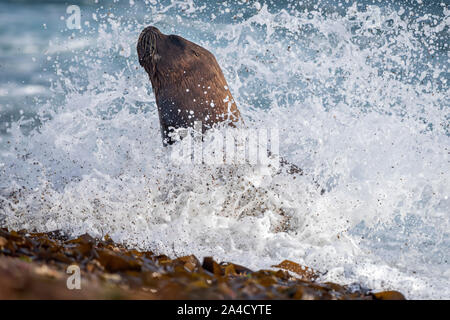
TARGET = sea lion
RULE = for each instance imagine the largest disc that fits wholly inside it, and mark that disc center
(187, 82)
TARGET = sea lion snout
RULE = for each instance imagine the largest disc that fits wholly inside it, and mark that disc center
(147, 46)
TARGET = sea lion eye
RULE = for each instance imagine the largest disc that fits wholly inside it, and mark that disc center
(176, 40)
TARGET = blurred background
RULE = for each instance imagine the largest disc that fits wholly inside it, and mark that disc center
(35, 40)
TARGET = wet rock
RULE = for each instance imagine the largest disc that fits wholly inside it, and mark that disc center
(114, 262)
(305, 273)
(29, 261)
(389, 295)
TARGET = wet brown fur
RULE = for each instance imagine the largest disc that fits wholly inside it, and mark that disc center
(181, 72)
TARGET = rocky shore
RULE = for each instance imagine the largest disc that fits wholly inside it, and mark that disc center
(37, 266)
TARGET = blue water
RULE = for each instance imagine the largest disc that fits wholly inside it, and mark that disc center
(358, 90)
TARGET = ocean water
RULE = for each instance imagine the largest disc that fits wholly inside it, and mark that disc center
(357, 89)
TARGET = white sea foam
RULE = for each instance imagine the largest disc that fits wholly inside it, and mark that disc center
(353, 110)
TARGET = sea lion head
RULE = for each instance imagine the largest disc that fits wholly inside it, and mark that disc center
(160, 54)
